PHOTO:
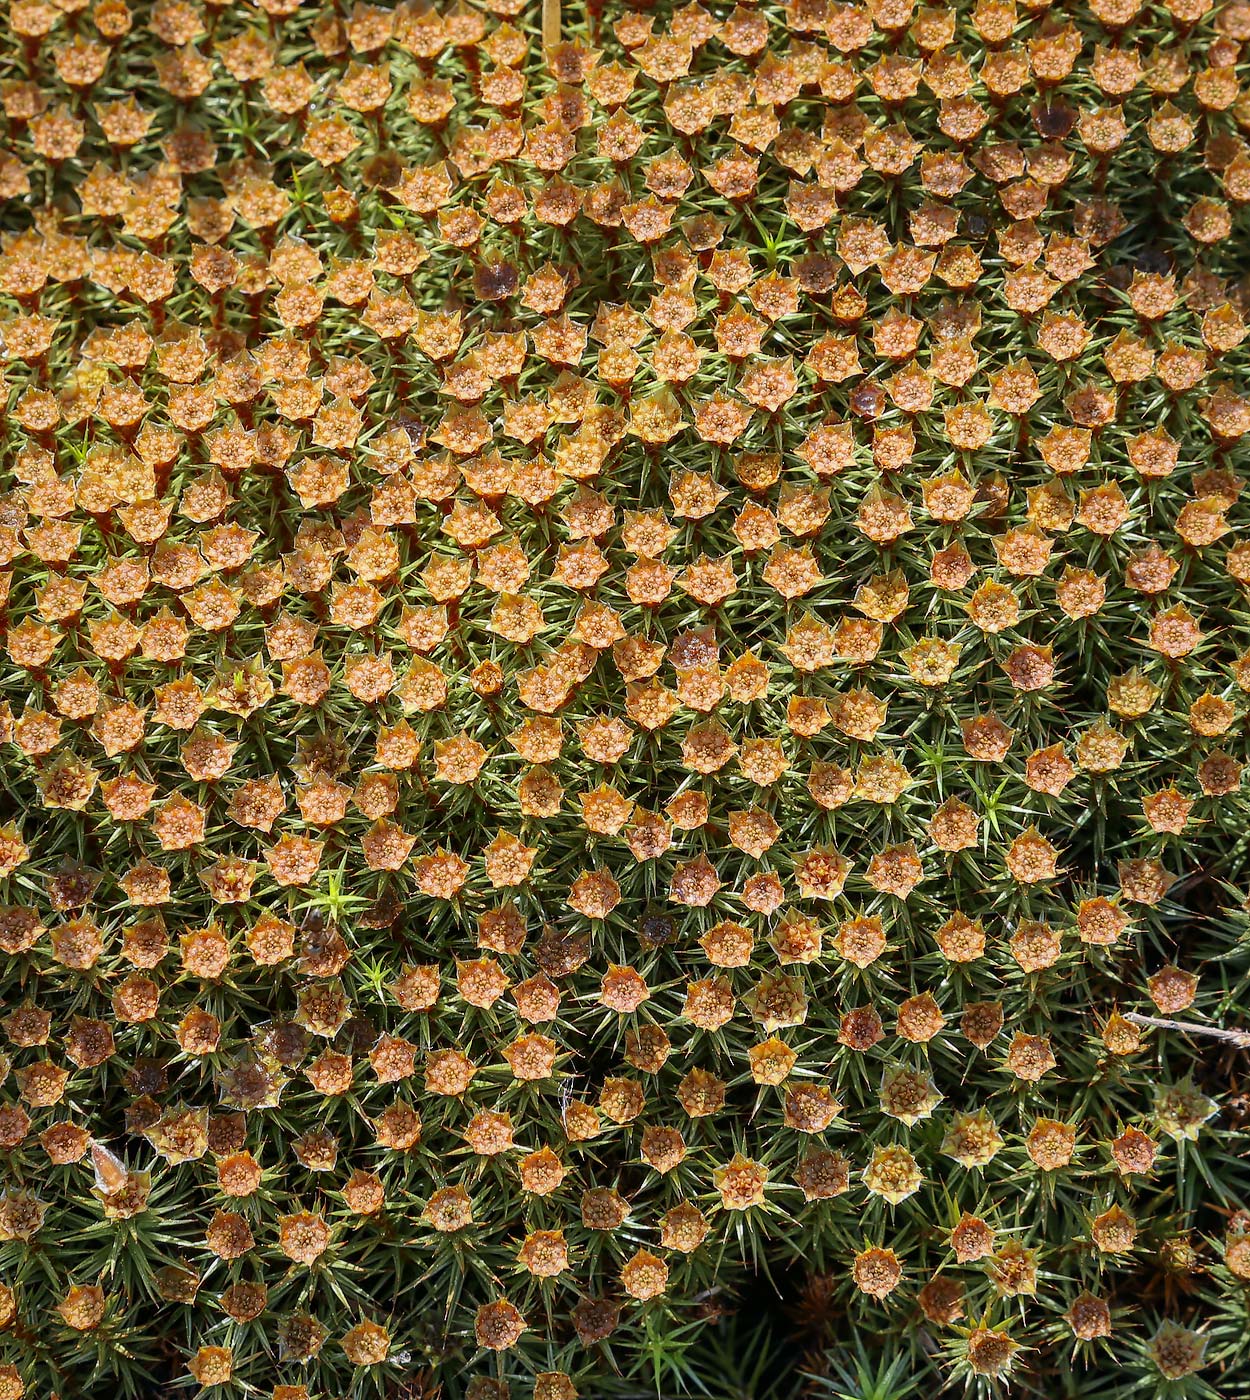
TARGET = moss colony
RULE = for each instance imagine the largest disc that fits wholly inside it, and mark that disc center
(623, 679)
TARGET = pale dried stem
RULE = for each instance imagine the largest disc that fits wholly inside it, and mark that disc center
(551, 24)
(1241, 1038)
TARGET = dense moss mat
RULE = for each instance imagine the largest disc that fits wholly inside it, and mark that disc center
(623, 700)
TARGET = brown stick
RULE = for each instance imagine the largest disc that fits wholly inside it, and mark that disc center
(551, 24)
(1241, 1038)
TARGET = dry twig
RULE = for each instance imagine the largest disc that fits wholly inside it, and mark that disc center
(1238, 1038)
